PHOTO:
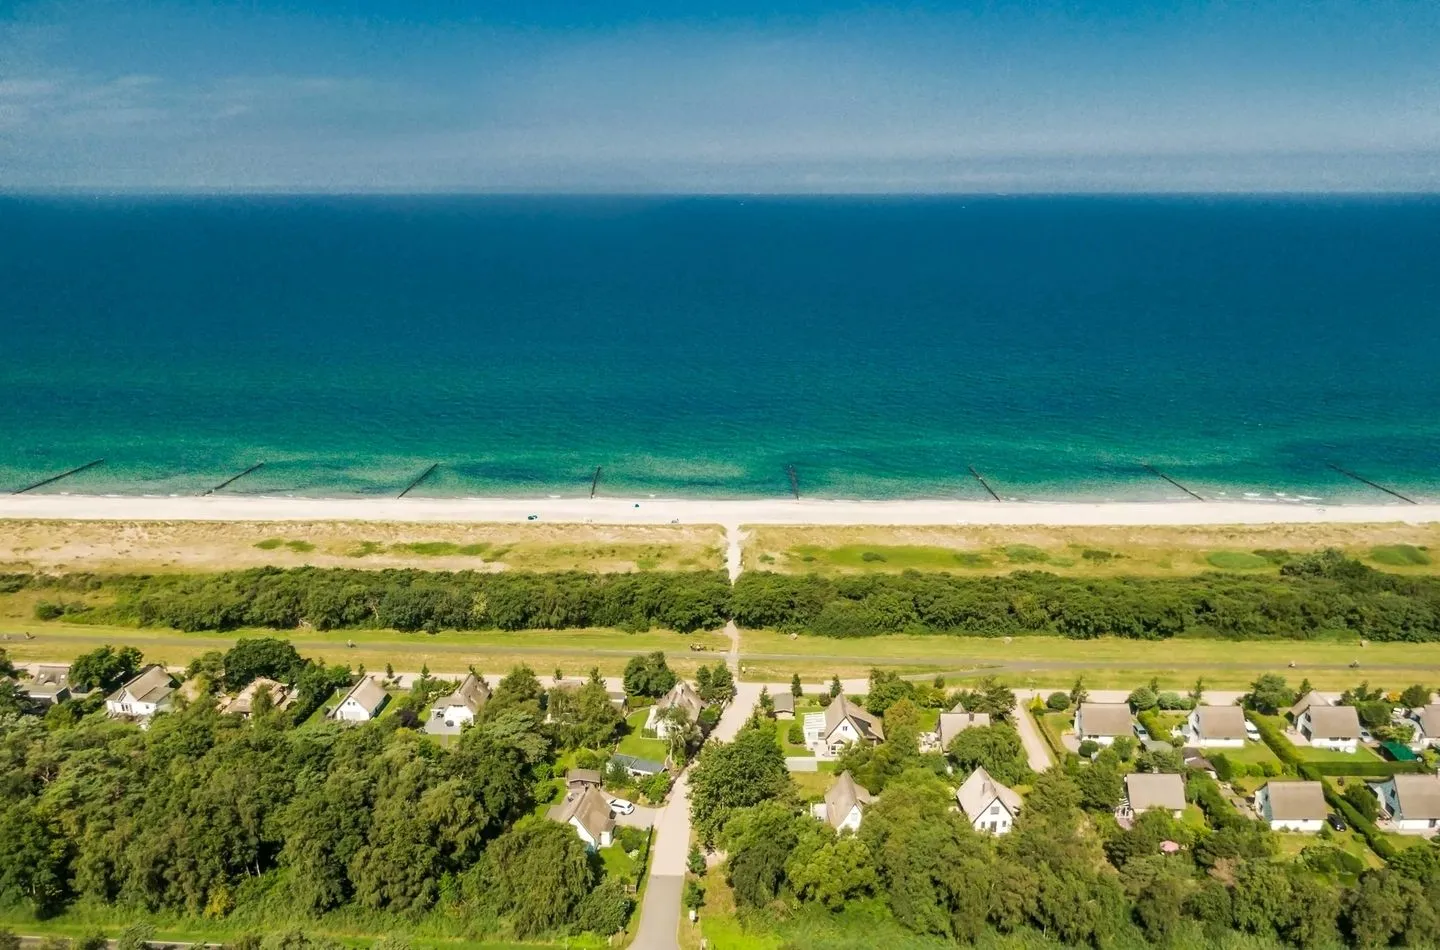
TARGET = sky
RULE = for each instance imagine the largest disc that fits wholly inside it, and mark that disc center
(729, 96)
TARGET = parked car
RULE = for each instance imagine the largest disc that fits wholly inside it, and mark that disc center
(621, 807)
(1365, 735)
(1336, 822)
(1252, 731)
(1142, 732)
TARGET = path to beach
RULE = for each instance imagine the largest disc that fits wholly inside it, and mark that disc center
(700, 511)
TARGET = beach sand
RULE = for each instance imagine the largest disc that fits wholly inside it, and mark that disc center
(728, 513)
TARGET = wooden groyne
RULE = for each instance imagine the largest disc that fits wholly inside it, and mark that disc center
(794, 481)
(233, 479)
(1159, 474)
(595, 481)
(983, 483)
(416, 483)
(55, 478)
(1365, 481)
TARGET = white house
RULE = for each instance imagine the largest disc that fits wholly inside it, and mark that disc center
(1292, 806)
(1410, 802)
(145, 695)
(1103, 723)
(587, 811)
(681, 696)
(990, 806)
(842, 723)
(843, 807)
(450, 714)
(1330, 727)
(1427, 722)
(363, 703)
(1216, 727)
(1147, 791)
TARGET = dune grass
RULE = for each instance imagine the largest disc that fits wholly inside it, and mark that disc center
(1400, 555)
(1237, 560)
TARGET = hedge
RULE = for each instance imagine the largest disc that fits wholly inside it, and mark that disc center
(1376, 769)
(1057, 749)
(1203, 791)
(1359, 822)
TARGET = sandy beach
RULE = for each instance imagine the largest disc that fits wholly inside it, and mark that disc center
(652, 511)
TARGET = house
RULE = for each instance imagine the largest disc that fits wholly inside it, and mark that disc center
(1311, 698)
(1292, 806)
(1330, 727)
(588, 812)
(844, 804)
(990, 806)
(281, 696)
(1410, 802)
(1194, 759)
(581, 779)
(1103, 723)
(1216, 727)
(782, 706)
(842, 723)
(450, 714)
(638, 767)
(681, 696)
(48, 684)
(363, 703)
(149, 692)
(1427, 721)
(618, 699)
(1146, 791)
(953, 723)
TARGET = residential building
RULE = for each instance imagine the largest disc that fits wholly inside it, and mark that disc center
(953, 723)
(842, 723)
(1427, 723)
(1311, 698)
(681, 696)
(1216, 727)
(581, 779)
(588, 812)
(147, 693)
(990, 806)
(363, 703)
(47, 685)
(451, 714)
(1195, 759)
(1292, 806)
(1103, 723)
(783, 706)
(638, 767)
(1147, 791)
(243, 703)
(1330, 727)
(1410, 802)
(844, 804)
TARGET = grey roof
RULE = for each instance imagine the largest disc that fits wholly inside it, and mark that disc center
(1311, 698)
(1146, 790)
(1195, 759)
(46, 680)
(1418, 796)
(1221, 722)
(636, 764)
(150, 685)
(783, 702)
(954, 723)
(1334, 722)
(844, 795)
(683, 695)
(1295, 801)
(472, 693)
(958, 708)
(1105, 719)
(244, 701)
(841, 709)
(582, 777)
(587, 806)
(368, 693)
(979, 790)
(1429, 717)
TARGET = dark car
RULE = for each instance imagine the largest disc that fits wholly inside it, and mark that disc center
(1336, 822)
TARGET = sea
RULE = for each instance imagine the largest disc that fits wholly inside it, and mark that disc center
(872, 348)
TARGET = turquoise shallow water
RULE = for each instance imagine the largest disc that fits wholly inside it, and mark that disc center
(699, 346)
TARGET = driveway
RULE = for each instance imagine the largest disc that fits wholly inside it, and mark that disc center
(1037, 753)
(802, 763)
(642, 817)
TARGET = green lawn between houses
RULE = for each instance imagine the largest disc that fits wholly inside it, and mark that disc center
(639, 746)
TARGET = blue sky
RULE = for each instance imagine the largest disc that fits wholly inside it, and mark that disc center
(799, 96)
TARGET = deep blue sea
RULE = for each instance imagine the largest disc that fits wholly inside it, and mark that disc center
(699, 346)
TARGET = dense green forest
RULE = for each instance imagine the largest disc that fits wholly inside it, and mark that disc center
(1312, 595)
(272, 822)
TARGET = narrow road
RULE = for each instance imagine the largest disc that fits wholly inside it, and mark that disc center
(1037, 753)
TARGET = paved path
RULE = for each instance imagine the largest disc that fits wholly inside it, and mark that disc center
(1037, 753)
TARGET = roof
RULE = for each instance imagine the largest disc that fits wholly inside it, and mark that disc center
(368, 693)
(472, 693)
(589, 808)
(1429, 718)
(844, 795)
(1146, 790)
(150, 685)
(46, 680)
(1195, 759)
(1106, 719)
(783, 702)
(958, 708)
(1221, 722)
(979, 790)
(582, 776)
(1334, 722)
(841, 709)
(1295, 801)
(244, 700)
(1418, 796)
(1399, 752)
(683, 695)
(954, 723)
(637, 764)
(1311, 698)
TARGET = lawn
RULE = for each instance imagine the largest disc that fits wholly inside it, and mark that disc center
(637, 745)
(618, 864)
(1251, 753)
(813, 785)
(1293, 842)
(1361, 754)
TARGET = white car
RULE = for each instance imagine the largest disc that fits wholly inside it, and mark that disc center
(621, 807)
(1252, 731)
(1142, 733)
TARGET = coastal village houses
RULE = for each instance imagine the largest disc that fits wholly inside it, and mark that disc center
(782, 706)
(1427, 727)
(1103, 723)
(1215, 727)
(451, 714)
(956, 721)
(363, 703)
(681, 696)
(842, 723)
(1147, 791)
(243, 703)
(1325, 726)
(990, 806)
(47, 684)
(844, 804)
(148, 693)
(586, 809)
(1292, 806)
(1411, 803)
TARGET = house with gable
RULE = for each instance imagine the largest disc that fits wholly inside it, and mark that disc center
(681, 696)
(451, 714)
(1330, 727)
(1411, 803)
(990, 806)
(956, 721)
(1103, 723)
(146, 694)
(1215, 727)
(243, 703)
(587, 811)
(842, 723)
(844, 804)
(363, 703)
(1292, 806)
(1151, 791)
(1427, 727)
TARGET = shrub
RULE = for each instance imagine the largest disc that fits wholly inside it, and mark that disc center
(795, 735)
(94, 940)
(1171, 701)
(1224, 771)
(1059, 702)
(1088, 748)
(1143, 699)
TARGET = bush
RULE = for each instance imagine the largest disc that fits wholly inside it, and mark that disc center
(1088, 748)
(630, 839)
(1171, 701)
(135, 937)
(1363, 800)
(1143, 699)
(1057, 702)
(1224, 771)
(9, 940)
(605, 910)
(94, 940)
(795, 735)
